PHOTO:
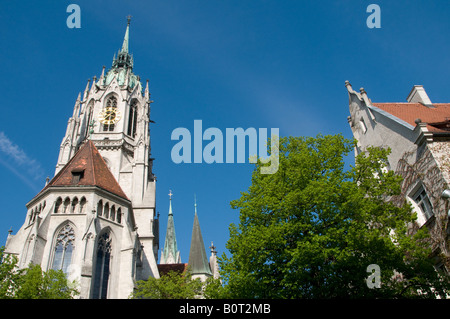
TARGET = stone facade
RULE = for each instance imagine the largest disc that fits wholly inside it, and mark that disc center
(95, 219)
(418, 134)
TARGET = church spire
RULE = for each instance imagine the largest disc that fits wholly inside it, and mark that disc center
(122, 65)
(170, 255)
(125, 39)
(198, 261)
(124, 58)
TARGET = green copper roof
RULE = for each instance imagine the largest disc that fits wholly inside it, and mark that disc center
(170, 253)
(198, 262)
(122, 65)
(125, 39)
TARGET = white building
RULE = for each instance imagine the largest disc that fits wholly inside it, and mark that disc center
(95, 219)
(418, 133)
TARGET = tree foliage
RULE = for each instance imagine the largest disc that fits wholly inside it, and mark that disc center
(32, 282)
(176, 285)
(173, 285)
(312, 229)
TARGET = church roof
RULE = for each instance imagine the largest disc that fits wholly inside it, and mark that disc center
(87, 168)
(198, 262)
(437, 116)
(164, 269)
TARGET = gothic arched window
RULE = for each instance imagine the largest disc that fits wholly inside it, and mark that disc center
(82, 205)
(106, 211)
(100, 208)
(64, 245)
(58, 205)
(119, 216)
(113, 213)
(102, 267)
(111, 102)
(132, 119)
(66, 205)
(74, 205)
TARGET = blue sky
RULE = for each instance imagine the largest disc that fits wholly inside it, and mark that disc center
(253, 63)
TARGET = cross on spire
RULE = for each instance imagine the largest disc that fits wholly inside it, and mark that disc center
(170, 194)
(129, 18)
(213, 248)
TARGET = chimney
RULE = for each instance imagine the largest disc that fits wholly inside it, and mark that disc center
(418, 95)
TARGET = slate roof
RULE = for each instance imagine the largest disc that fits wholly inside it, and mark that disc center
(197, 254)
(87, 168)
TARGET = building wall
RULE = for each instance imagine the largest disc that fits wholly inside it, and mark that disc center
(35, 241)
(421, 159)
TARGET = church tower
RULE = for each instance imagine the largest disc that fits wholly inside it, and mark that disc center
(95, 219)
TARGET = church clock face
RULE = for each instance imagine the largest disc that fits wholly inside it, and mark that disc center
(109, 116)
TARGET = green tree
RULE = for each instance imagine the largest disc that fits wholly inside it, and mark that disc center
(9, 275)
(311, 229)
(214, 289)
(173, 285)
(37, 284)
(32, 282)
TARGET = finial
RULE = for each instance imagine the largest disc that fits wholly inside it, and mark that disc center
(47, 180)
(10, 231)
(195, 204)
(102, 77)
(86, 90)
(129, 19)
(170, 203)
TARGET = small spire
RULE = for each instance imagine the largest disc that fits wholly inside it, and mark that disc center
(76, 108)
(101, 81)
(86, 90)
(147, 91)
(93, 84)
(197, 254)
(170, 254)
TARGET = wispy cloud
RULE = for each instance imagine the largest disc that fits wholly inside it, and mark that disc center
(19, 163)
